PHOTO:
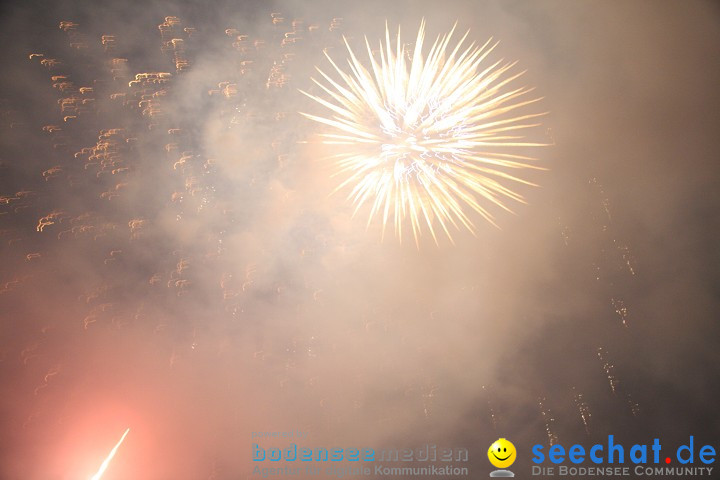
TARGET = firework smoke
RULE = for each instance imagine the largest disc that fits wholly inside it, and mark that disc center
(170, 258)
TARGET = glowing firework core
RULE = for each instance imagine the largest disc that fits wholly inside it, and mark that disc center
(105, 463)
(420, 135)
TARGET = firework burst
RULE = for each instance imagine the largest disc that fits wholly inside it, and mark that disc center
(429, 138)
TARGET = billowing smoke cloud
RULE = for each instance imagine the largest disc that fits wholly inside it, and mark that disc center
(172, 260)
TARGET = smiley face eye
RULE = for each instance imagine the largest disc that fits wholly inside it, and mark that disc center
(504, 449)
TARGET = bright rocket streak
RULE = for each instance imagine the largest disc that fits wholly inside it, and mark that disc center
(427, 138)
(105, 464)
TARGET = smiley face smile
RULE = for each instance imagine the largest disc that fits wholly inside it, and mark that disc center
(502, 459)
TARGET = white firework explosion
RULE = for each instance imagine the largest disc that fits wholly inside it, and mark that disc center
(429, 138)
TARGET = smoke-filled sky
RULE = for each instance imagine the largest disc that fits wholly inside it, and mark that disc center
(172, 259)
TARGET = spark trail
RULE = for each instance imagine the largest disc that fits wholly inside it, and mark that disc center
(105, 463)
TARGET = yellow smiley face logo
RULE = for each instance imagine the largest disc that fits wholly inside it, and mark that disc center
(501, 453)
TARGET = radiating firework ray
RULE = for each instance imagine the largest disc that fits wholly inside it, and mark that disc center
(105, 464)
(430, 138)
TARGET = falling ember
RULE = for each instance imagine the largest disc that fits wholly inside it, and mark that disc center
(105, 463)
(583, 409)
(429, 138)
(609, 369)
(549, 421)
